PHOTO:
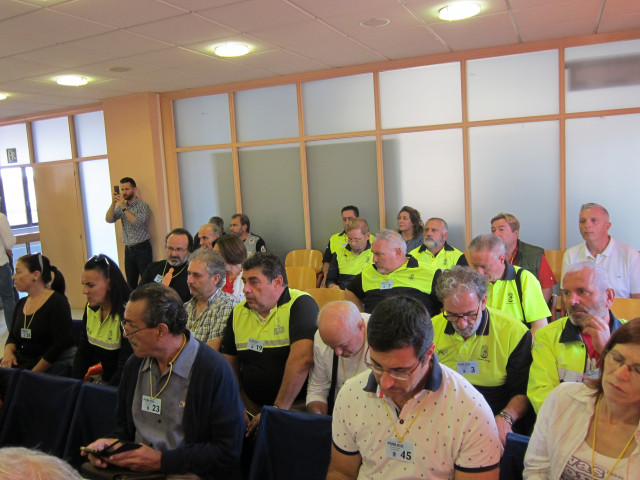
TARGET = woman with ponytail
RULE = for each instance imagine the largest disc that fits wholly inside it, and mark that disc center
(40, 338)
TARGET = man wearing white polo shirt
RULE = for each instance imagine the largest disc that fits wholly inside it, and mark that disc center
(410, 417)
(621, 261)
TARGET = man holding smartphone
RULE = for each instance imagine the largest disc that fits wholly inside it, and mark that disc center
(127, 206)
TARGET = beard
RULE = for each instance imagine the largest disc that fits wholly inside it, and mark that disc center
(578, 314)
(174, 262)
(431, 244)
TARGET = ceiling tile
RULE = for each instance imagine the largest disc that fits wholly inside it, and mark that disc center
(619, 7)
(279, 62)
(405, 43)
(11, 8)
(563, 13)
(121, 41)
(255, 15)
(186, 28)
(563, 30)
(197, 5)
(64, 56)
(119, 13)
(620, 22)
(13, 69)
(489, 26)
(12, 43)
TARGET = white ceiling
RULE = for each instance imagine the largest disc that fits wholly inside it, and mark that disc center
(165, 43)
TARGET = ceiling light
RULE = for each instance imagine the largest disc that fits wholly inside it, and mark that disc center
(231, 49)
(3, 96)
(459, 11)
(375, 22)
(72, 80)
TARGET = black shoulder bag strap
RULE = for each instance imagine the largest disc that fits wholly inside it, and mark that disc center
(334, 380)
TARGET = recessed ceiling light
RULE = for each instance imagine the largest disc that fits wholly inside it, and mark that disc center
(3, 96)
(375, 22)
(459, 11)
(231, 49)
(72, 80)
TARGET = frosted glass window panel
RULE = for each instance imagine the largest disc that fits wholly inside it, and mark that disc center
(339, 105)
(51, 139)
(341, 172)
(519, 85)
(267, 113)
(603, 166)
(14, 198)
(428, 95)
(202, 120)
(206, 187)
(14, 137)
(31, 194)
(91, 139)
(272, 195)
(96, 197)
(604, 76)
(425, 171)
(515, 169)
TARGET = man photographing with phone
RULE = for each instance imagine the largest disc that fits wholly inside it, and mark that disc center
(177, 398)
(127, 206)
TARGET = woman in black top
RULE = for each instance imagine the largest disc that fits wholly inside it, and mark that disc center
(40, 338)
(101, 338)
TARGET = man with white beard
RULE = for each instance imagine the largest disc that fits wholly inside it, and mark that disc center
(435, 251)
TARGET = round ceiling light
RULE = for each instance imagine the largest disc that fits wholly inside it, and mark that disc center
(231, 49)
(459, 11)
(3, 96)
(72, 80)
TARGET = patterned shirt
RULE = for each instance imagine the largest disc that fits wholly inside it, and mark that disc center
(211, 322)
(136, 232)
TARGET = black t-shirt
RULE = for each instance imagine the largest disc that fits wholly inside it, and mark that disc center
(178, 281)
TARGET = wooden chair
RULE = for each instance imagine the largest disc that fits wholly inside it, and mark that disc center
(322, 296)
(308, 258)
(626, 308)
(554, 257)
(301, 277)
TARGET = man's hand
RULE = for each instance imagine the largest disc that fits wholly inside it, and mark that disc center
(503, 429)
(252, 428)
(143, 459)
(598, 328)
(166, 280)
(9, 360)
(99, 444)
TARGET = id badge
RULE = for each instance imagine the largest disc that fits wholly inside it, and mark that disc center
(255, 345)
(158, 278)
(402, 451)
(151, 405)
(386, 285)
(468, 368)
(25, 333)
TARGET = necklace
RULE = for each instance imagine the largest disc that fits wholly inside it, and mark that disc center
(593, 446)
(184, 342)
(166, 263)
(26, 326)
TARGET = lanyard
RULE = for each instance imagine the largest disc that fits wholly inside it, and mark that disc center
(398, 436)
(170, 372)
(26, 326)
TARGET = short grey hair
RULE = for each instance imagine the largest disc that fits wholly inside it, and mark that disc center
(460, 280)
(601, 275)
(394, 239)
(492, 243)
(26, 464)
(588, 206)
(213, 263)
(349, 313)
(445, 225)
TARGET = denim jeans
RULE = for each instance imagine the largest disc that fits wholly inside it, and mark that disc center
(136, 261)
(6, 293)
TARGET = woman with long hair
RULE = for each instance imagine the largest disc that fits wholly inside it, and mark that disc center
(234, 253)
(592, 429)
(40, 338)
(410, 226)
(101, 338)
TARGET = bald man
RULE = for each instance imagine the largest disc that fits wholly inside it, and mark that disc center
(338, 353)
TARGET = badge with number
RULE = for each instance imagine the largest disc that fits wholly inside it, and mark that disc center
(151, 405)
(468, 368)
(158, 278)
(402, 451)
(255, 345)
(25, 333)
(386, 285)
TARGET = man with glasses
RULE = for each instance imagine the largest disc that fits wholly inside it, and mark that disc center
(172, 272)
(570, 348)
(177, 397)
(410, 414)
(348, 261)
(487, 347)
(435, 252)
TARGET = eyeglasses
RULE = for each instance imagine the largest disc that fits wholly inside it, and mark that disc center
(176, 250)
(454, 317)
(617, 361)
(100, 258)
(124, 324)
(378, 370)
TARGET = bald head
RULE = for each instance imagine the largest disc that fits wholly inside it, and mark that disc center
(342, 328)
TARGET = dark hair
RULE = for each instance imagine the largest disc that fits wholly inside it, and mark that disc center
(128, 180)
(219, 222)
(627, 333)
(269, 263)
(351, 207)
(232, 249)
(39, 263)
(400, 321)
(164, 305)
(119, 289)
(414, 216)
(244, 220)
(180, 231)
